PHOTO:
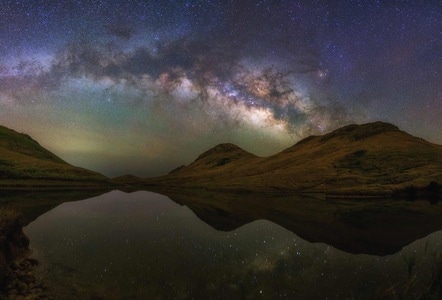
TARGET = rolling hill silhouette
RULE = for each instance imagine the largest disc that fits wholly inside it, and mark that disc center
(373, 158)
(24, 159)
(369, 159)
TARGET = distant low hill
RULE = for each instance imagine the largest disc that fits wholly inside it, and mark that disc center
(22, 158)
(373, 158)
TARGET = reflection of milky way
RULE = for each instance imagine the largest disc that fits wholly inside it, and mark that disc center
(148, 85)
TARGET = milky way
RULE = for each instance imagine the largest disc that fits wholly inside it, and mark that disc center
(144, 86)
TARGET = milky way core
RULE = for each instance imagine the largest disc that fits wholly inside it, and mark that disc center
(142, 87)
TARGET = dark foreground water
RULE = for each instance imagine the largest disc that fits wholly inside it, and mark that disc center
(145, 246)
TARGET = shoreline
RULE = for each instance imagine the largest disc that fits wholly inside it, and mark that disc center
(17, 278)
(410, 193)
(9, 184)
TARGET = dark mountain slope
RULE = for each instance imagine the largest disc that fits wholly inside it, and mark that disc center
(373, 158)
(22, 158)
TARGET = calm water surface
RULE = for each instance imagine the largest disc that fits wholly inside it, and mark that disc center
(145, 246)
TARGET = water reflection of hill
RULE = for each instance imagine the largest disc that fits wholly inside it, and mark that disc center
(376, 227)
(32, 204)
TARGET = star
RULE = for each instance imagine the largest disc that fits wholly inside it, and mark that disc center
(146, 78)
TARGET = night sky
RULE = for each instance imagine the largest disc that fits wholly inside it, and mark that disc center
(142, 87)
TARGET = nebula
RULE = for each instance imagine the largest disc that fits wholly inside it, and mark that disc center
(141, 87)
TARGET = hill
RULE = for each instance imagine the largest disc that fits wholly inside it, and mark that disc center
(23, 159)
(217, 157)
(368, 159)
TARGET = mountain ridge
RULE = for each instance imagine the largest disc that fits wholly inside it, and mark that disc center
(368, 159)
(25, 144)
(23, 161)
(372, 158)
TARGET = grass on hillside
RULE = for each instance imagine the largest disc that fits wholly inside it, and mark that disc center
(16, 165)
(24, 144)
(22, 158)
(377, 164)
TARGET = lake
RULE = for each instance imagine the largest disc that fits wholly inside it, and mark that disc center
(144, 245)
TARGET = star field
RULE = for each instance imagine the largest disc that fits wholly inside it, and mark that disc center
(144, 86)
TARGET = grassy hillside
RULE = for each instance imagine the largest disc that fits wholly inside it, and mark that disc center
(22, 158)
(217, 157)
(374, 158)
